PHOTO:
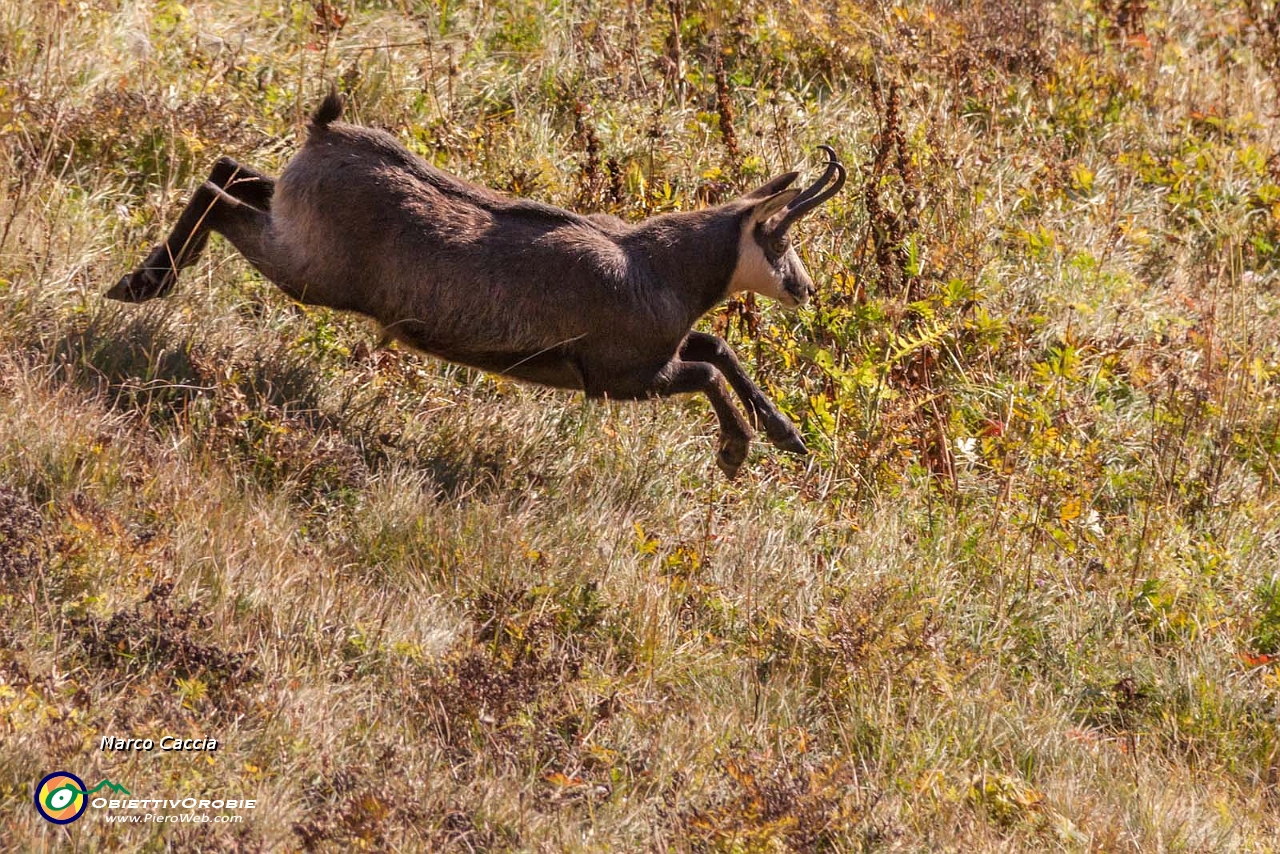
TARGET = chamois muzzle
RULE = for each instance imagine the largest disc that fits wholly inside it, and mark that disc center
(815, 194)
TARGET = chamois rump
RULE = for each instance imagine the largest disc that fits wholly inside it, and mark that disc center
(359, 223)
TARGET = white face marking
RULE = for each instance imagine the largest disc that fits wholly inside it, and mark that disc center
(754, 272)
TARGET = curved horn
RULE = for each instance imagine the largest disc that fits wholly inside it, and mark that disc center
(815, 194)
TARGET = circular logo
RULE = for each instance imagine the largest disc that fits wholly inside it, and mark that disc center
(60, 797)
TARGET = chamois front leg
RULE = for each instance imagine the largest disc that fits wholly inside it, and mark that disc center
(681, 377)
(702, 347)
(235, 185)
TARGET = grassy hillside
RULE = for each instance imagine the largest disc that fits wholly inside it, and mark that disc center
(1023, 595)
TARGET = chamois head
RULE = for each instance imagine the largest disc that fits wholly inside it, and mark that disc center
(767, 262)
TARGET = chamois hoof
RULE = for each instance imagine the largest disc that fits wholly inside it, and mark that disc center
(731, 457)
(783, 435)
(793, 445)
(143, 284)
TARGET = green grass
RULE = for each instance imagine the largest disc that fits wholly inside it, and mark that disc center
(1023, 595)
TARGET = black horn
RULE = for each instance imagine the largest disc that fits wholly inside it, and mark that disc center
(815, 194)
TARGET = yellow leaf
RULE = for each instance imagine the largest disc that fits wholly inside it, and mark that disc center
(1070, 510)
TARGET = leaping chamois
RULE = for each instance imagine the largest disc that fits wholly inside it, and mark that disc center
(359, 223)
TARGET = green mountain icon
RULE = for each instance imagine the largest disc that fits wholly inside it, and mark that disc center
(115, 787)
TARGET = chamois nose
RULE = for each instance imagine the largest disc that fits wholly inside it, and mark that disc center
(800, 288)
(794, 297)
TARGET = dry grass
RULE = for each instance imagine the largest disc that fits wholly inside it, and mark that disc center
(1024, 595)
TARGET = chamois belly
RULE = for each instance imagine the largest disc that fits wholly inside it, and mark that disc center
(555, 366)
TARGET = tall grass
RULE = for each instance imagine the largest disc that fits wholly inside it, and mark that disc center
(1023, 595)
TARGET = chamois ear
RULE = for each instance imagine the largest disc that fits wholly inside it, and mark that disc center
(770, 206)
(775, 185)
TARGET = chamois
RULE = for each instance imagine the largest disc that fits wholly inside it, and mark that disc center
(357, 222)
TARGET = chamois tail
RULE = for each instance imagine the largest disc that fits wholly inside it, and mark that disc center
(329, 111)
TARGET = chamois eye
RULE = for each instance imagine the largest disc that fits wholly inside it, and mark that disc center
(778, 247)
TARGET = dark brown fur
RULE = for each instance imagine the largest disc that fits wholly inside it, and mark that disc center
(513, 286)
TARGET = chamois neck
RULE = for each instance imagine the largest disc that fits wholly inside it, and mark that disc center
(695, 252)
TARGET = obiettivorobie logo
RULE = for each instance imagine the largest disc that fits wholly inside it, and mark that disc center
(62, 798)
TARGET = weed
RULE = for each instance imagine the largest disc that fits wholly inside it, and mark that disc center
(1020, 596)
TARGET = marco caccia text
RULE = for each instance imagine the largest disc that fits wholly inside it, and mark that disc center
(169, 742)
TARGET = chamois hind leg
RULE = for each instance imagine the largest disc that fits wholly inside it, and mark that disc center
(159, 272)
(681, 377)
(702, 347)
(247, 185)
